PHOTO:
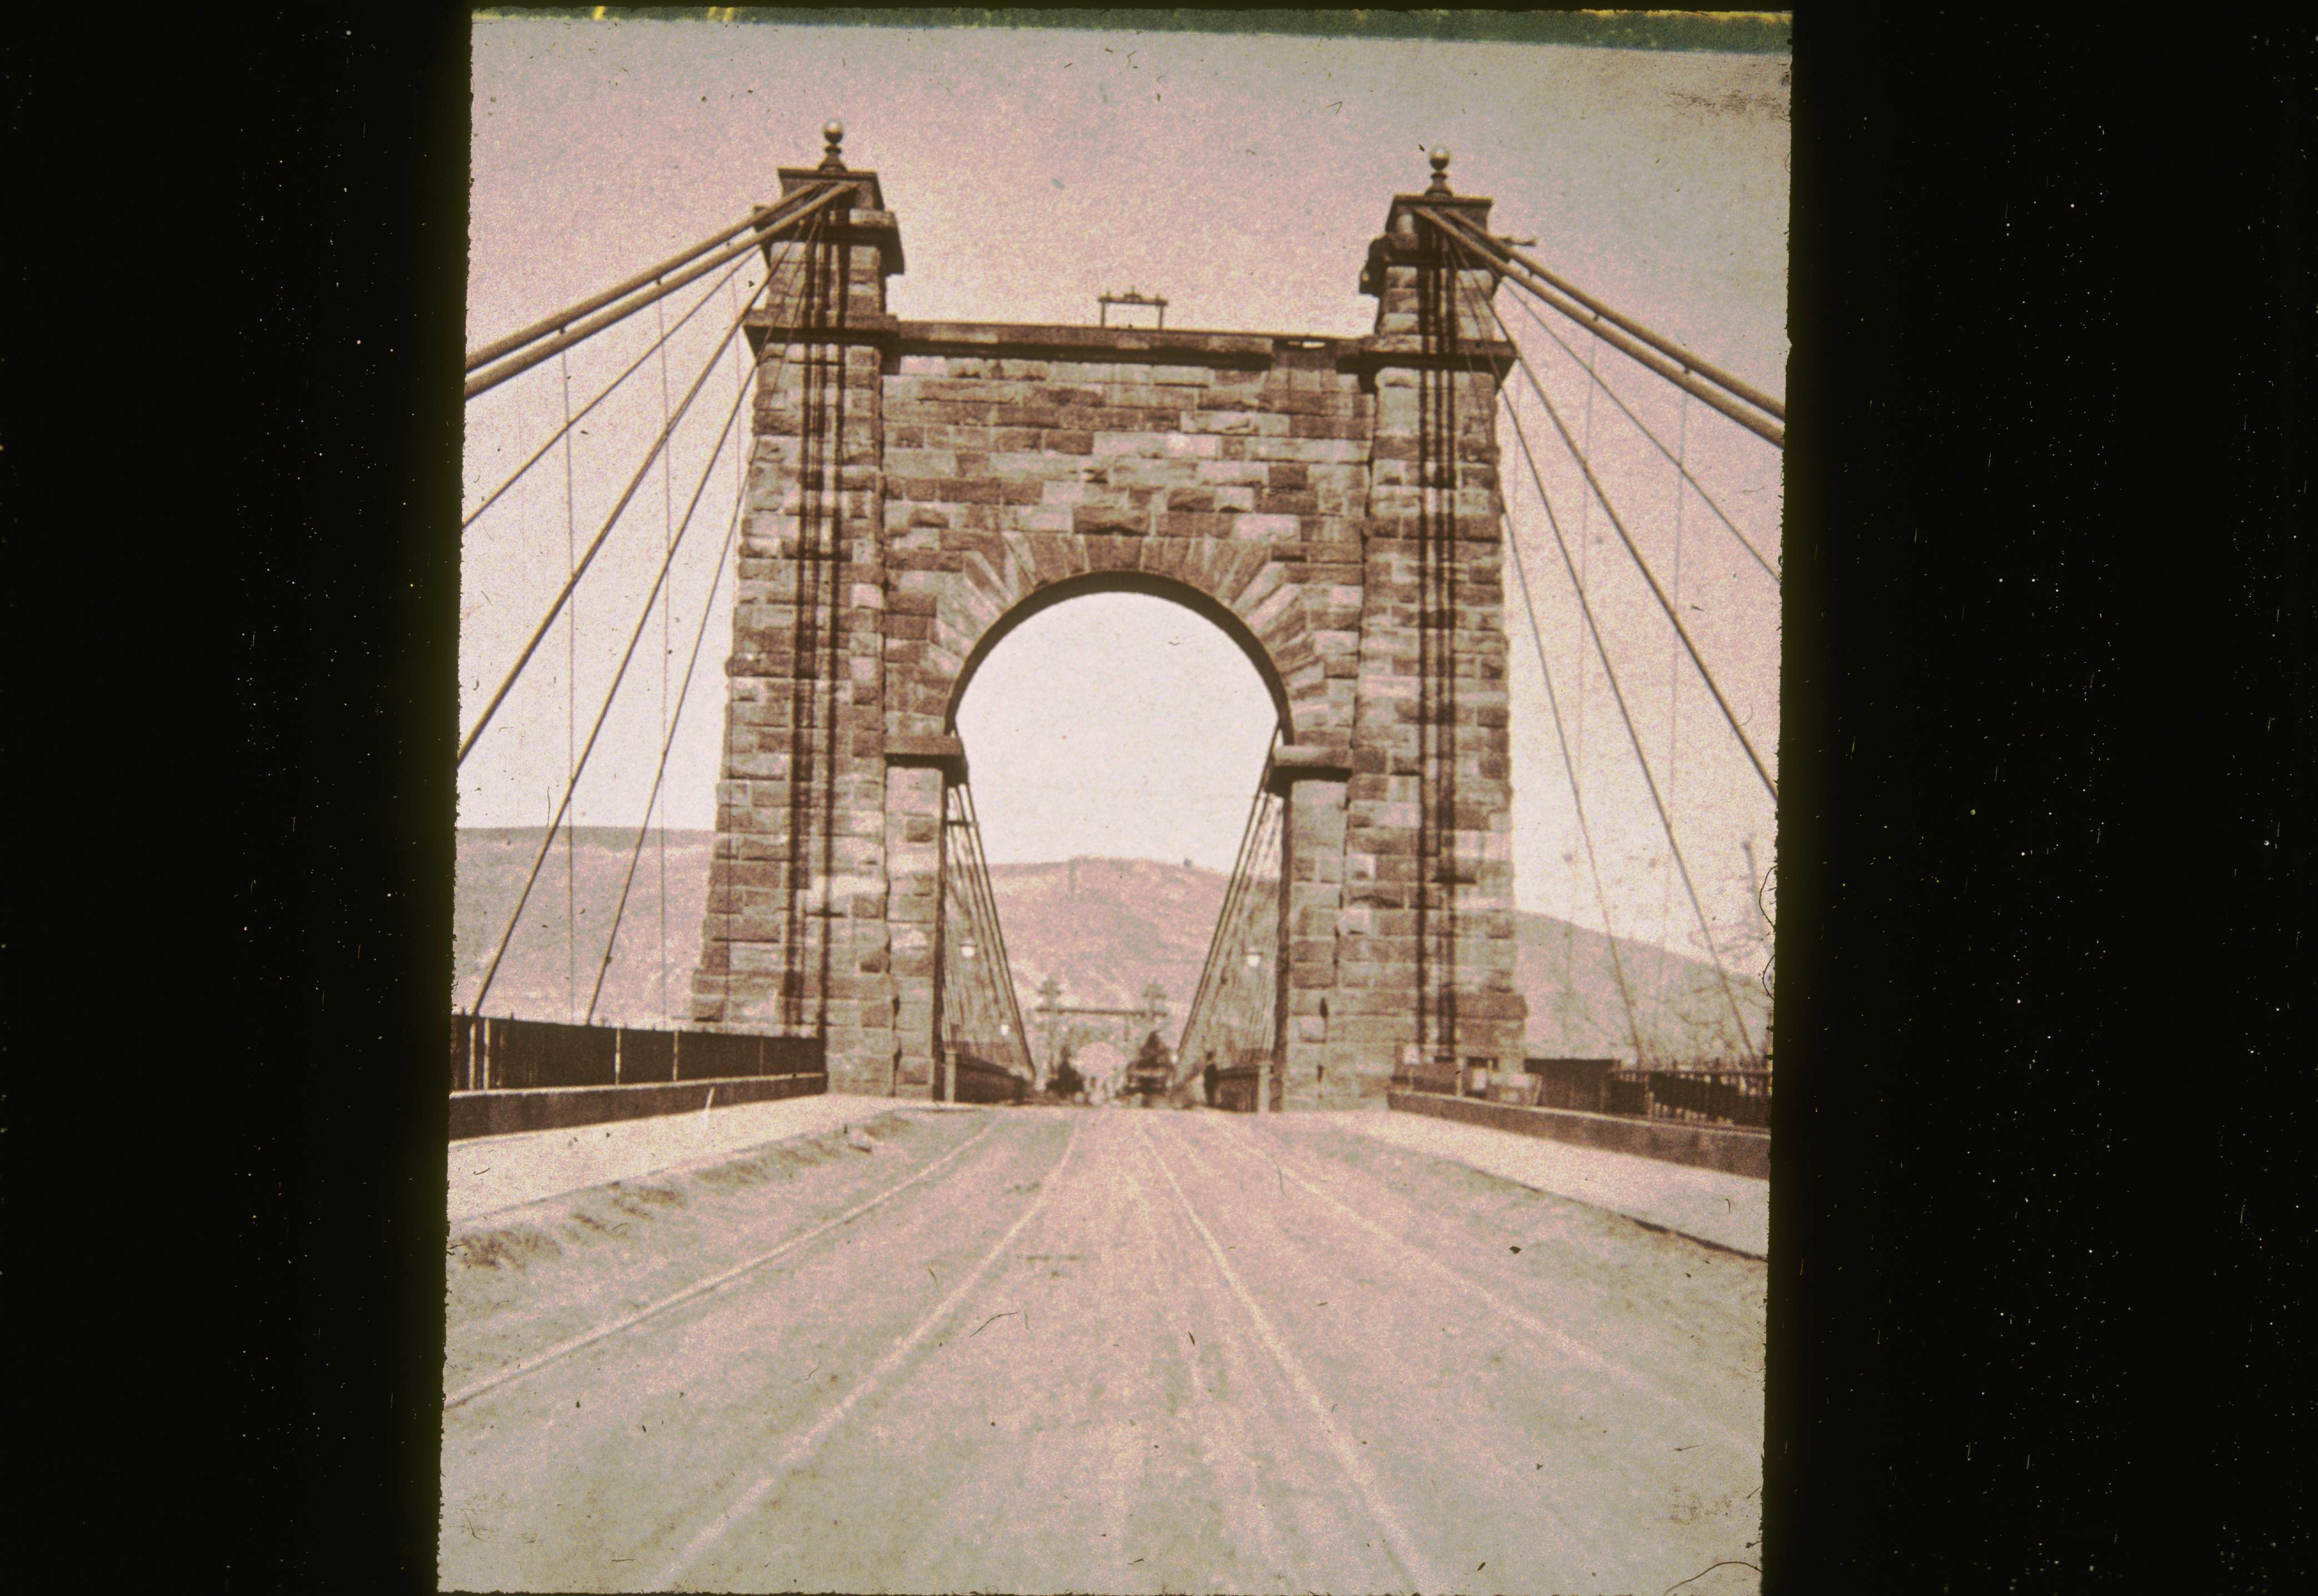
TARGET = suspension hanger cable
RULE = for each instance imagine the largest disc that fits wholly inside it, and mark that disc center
(1568, 762)
(634, 637)
(570, 722)
(1618, 694)
(562, 596)
(659, 347)
(659, 771)
(1674, 686)
(1584, 548)
(484, 382)
(1611, 511)
(667, 537)
(1594, 379)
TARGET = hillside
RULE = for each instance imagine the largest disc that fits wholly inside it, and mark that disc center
(1102, 927)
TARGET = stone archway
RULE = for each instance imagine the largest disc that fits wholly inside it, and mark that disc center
(920, 487)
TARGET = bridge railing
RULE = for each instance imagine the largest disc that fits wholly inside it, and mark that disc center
(505, 1054)
(1736, 1096)
(1695, 1096)
(1234, 1020)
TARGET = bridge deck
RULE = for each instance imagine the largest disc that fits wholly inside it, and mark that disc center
(1043, 1350)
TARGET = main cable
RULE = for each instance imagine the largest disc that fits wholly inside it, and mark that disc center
(1751, 414)
(515, 366)
(571, 313)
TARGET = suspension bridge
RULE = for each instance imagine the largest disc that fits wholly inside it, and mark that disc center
(907, 494)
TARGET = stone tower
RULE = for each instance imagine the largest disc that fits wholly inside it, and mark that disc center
(919, 488)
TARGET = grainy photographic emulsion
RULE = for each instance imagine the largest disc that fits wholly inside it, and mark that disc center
(1118, 784)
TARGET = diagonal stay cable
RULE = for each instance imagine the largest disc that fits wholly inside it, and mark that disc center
(1657, 341)
(634, 637)
(563, 594)
(1610, 510)
(514, 367)
(565, 317)
(1002, 965)
(1569, 762)
(658, 344)
(1618, 694)
(1680, 374)
(1195, 1017)
(668, 741)
(1611, 394)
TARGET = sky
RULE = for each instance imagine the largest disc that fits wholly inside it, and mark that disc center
(1242, 176)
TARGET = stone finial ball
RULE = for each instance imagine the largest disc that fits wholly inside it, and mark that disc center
(834, 131)
(1440, 159)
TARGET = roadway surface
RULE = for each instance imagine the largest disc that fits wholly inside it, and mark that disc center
(1058, 1350)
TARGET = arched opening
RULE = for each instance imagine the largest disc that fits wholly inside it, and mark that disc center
(1142, 584)
(1116, 736)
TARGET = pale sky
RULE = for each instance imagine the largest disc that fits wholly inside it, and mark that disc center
(1242, 176)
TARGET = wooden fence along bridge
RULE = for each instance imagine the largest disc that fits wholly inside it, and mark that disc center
(916, 489)
(1041, 1349)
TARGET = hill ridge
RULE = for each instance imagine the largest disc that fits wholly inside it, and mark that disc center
(1103, 928)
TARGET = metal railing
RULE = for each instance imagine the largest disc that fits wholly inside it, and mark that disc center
(489, 1054)
(1695, 1096)
(1730, 1098)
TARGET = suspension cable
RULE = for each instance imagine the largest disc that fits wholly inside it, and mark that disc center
(1586, 548)
(667, 538)
(658, 348)
(1772, 432)
(635, 637)
(1673, 684)
(1602, 312)
(1610, 672)
(659, 771)
(571, 313)
(563, 596)
(1233, 889)
(516, 365)
(570, 722)
(981, 904)
(1641, 564)
(1570, 762)
(1595, 380)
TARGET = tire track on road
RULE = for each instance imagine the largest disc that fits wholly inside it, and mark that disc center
(1412, 1565)
(1223, 1438)
(565, 1347)
(796, 1454)
(1561, 1343)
